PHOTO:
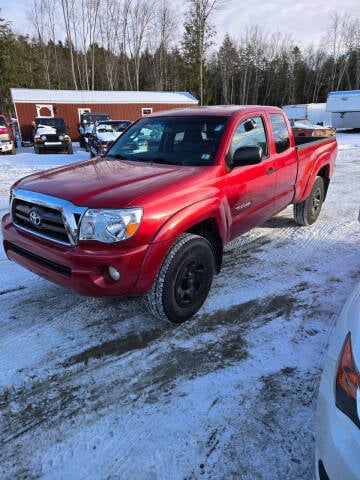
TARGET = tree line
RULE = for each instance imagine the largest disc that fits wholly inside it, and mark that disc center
(144, 45)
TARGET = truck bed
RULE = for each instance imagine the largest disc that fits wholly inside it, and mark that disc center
(312, 152)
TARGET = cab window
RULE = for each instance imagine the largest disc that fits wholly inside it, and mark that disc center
(250, 133)
(280, 132)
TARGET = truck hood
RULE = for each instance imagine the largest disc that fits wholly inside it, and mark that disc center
(98, 182)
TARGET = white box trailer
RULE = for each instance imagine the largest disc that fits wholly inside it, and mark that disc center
(344, 108)
(295, 112)
(314, 112)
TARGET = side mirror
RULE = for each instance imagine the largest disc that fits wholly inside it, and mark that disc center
(247, 156)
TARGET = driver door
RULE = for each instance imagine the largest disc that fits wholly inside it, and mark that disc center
(251, 188)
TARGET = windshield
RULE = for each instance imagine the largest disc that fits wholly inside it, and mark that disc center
(173, 140)
(112, 126)
(95, 117)
(57, 123)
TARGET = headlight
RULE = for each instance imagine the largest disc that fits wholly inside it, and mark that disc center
(110, 226)
(43, 138)
(61, 138)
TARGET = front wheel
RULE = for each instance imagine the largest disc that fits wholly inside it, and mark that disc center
(307, 212)
(184, 279)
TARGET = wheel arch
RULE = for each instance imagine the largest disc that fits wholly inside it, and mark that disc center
(324, 172)
(210, 228)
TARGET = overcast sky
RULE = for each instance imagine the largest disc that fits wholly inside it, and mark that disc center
(307, 21)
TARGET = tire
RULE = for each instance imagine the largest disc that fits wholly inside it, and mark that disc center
(308, 211)
(70, 149)
(183, 281)
(36, 149)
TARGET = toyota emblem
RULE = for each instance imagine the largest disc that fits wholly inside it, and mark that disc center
(35, 218)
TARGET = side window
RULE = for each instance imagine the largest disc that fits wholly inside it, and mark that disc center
(280, 132)
(250, 133)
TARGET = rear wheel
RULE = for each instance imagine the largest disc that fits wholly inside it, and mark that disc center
(184, 279)
(307, 212)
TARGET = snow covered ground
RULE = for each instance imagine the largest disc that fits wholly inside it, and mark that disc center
(99, 389)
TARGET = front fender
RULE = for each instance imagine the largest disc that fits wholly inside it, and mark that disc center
(184, 220)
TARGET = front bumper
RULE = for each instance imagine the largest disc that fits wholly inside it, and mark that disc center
(84, 268)
(6, 146)
(52, 146)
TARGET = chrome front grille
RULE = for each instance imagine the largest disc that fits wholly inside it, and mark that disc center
(45, 216)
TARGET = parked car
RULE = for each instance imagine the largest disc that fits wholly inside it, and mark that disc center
(155, 221)
(337, 442)
(304, 128)
(51, 134)
(8, 142)
(86, 125)
(104, 133)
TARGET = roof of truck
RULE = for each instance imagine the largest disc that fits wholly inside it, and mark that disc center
(216, 110)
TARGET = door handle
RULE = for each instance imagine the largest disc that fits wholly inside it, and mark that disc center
(271, 171)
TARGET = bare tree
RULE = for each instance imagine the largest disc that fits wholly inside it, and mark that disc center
(43, 17)
(140, 15)
(68, 9)
(337, 33)
(161, 35)
(87, 21)
(198, 33)
(110, 27)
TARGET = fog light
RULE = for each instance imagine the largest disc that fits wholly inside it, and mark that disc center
(114, 274)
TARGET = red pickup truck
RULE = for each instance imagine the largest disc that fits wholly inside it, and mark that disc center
(7, 136)
(151, 217)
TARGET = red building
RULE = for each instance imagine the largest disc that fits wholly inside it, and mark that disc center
(69, 104)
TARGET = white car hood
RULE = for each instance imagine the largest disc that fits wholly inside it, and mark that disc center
(107, 136)
(45, 129)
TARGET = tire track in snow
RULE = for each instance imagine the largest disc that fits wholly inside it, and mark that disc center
(52, 403)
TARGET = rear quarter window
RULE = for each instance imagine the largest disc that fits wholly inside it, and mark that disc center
(280, 132)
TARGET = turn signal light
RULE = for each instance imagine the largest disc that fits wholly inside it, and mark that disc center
(348, 383)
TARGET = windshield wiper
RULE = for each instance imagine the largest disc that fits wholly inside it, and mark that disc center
(117, 155)
(161, 160)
